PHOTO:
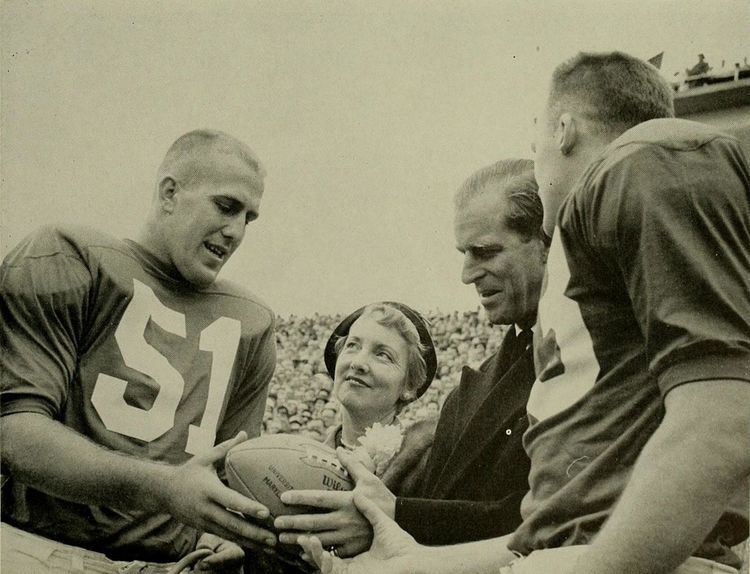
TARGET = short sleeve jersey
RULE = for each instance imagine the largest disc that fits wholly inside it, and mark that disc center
(101, 336)
(647, 288)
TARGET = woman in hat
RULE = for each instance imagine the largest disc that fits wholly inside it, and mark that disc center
(381, 358)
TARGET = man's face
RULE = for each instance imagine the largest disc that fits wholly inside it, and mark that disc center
(328, 416)
(548, 168)
(314, 434)
(274, 427)
(506, 271)
(206, 220)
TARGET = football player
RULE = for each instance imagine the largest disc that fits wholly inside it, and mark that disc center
(640, 414)
(128, 371)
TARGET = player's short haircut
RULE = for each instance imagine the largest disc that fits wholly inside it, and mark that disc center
(614, 90)
(514, 180)
(193, 156)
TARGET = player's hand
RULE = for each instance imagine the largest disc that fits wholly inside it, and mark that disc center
(226, 557)
(193, 494)
(392, 550)
(344, 527)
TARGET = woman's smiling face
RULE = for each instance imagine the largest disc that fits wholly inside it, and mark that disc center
(371, 369)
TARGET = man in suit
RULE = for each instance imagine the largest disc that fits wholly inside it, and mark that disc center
(477, 472)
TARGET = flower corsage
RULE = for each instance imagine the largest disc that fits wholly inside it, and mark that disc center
(378, 446)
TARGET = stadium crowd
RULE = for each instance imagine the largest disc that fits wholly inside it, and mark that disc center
(300, 398)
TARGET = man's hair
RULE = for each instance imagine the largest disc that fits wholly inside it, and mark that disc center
(613, 90)
(189, 158)
(514, 180)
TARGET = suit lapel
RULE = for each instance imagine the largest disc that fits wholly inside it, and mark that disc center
(461, 407)
(475, 385)
(487, 420)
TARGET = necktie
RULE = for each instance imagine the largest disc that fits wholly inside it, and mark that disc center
(523, 340)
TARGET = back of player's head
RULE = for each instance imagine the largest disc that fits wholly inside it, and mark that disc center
(513, 180)
(199, 153)
(613, 91)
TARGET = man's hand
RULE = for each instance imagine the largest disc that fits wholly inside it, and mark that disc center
(194, 494)
(92, 474)
(392, 550)
(344, 527)
(225, 556)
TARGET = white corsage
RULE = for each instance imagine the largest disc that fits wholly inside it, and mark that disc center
(378, 446)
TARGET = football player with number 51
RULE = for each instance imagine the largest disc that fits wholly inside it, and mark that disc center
(129, 370)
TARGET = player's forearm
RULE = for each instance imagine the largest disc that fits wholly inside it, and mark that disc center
(50, 457)
(689, 470)
(483, 557)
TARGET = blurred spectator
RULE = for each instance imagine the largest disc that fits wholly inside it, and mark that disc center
(329, 416)
(433, 409)
(701, 67)
(295, 423)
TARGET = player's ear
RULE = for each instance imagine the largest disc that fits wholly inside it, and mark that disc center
(567, 135)
(540, 249)
(166, 190)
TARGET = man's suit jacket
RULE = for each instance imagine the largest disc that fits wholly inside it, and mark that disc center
(477, 472)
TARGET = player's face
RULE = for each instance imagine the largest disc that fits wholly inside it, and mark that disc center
(371, 369)
(207, 221)
(548, 166)
(506, 271)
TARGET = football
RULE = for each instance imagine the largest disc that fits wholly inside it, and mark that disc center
(264, 467)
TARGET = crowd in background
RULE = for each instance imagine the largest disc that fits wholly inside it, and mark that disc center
(301, 399)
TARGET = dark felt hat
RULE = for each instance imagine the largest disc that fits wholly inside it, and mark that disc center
(430, 358)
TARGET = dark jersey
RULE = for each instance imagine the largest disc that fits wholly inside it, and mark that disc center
(99, 335)
(648, 288)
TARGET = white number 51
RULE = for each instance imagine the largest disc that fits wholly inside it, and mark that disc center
(221, 338)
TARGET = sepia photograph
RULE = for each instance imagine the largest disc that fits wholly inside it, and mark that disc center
(377, 287)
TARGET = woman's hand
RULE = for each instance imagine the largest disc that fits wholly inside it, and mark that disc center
(392, 550)
(367, 484)
(344, 527)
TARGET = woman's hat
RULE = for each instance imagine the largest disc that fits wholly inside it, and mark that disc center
(428, 354)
